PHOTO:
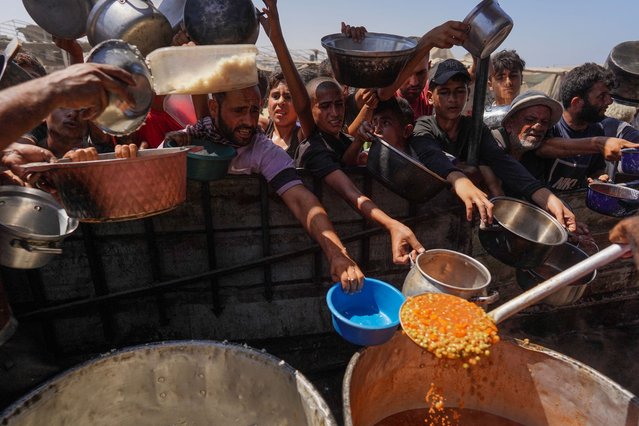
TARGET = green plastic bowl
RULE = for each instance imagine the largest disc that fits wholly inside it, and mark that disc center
(211, 163)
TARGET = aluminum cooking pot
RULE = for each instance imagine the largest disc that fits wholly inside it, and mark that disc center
(560, 258)
(66, 19)
(402, 174)
(136, 22)
(32, 227)
(521, 235)
(374, 62)
(612, 200)
(489, 27)
(221, 21)
(120, 118)
(623, 61)
(450, 272)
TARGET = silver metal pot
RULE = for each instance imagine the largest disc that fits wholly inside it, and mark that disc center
(137, 22)
(32, 227)
(489, 27)
(401, 173)
(522, 235)
(175, 383)
(374, 62)
(623, 61)
(560, 258)
(120, 118)
(450, 272)
(65, 19)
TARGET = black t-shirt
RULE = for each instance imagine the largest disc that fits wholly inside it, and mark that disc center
(429, 142)
(566, 173)
(321, 153)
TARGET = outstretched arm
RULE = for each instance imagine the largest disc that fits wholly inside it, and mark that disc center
(301, 101)
(610, 148)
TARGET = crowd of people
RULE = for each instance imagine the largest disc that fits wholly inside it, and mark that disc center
(540, 147)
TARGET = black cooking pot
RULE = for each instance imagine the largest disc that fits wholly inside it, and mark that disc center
(612, 200)
(221, 21)
(521, 235)
(402, 174)
(623, 61)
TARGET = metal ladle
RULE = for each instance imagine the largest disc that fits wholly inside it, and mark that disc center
(548, 287)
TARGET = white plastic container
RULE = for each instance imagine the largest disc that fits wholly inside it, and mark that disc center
(199, 70)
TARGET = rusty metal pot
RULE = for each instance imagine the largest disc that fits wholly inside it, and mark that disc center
(623, 61)
(175, 383)
(519, 382)
(116, 189)
(136, 22)
(489, 27)
(450, 272)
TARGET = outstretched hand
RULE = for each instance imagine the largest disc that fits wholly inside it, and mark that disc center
(448, 34)
(356, 33)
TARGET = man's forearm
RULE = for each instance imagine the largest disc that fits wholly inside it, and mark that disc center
(562, 147)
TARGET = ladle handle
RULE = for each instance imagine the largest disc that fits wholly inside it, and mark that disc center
(557, 282)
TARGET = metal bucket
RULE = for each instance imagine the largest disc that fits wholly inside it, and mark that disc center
(521, 383)
(175, 383)
(8, 323)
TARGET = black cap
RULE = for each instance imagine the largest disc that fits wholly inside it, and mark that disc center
(447, 70)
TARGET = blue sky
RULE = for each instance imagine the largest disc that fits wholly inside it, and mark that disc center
(546, 32)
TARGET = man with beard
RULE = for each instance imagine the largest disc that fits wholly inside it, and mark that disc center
(233, 121)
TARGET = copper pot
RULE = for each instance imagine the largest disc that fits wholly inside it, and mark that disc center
(116, 189)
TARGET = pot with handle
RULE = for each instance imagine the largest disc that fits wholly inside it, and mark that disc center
(489, 27)
(136, 22)
(612, 200)
(451, 272)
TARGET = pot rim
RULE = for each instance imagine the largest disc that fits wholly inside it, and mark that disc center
(596, 187)
(328, 43)
(408, 158)
(562, 230)
(471, 260)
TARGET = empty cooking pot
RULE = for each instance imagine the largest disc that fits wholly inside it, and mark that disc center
(137, 22)
(66, 19)
(489, 27)
(560, 258)
(450, 272)
(521, 235)
(221, 21)
(629, 162)
(612, 200)
(623, 61)
(32, 227)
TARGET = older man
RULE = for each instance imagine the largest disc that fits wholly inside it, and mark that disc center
(234, 121)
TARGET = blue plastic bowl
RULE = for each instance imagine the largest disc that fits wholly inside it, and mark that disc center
(369, 317)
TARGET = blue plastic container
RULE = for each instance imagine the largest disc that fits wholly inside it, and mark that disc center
(369, 317)
(211, 163)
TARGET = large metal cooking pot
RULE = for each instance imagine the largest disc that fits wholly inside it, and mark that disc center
(120, 118)
(494, 114)
(401, 173)
(136, 22)
(521, 234)
(115, 189)
(175, 383)
(623, 61)
(518, 383)
(32, 227)
(489, 27)
(560, 258)
(374, 62)
(451, 272)
(66, 19)
(612, 200)
(221, 21)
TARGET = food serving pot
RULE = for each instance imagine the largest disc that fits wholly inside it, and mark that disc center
(629, 162)
(489, 27)
(175, 383)
(137, 22)
(119, 117)
(521, 235)
(623, 61)
(451, 272)
(115, 189)
(373, 62)
(221, 21)
(401, 173)
(560, 258)
(32, 227)
(612, 200)
(66, 19)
